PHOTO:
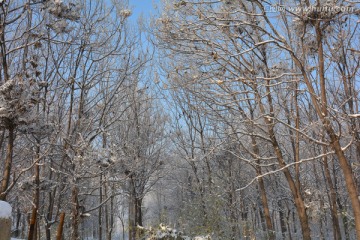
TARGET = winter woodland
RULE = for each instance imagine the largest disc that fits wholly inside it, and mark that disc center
(209, 119)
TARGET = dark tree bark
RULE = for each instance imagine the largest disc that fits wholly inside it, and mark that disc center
(8, 164)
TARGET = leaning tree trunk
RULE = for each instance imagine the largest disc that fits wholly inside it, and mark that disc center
(335, 139)
(298, 199)
(263, 194)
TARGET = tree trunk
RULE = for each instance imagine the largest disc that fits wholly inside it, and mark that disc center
(49, 214)
(100, 208)
(17, 226)
(246, 228)
(282, 221)
(32, 225)
(8, 164)
(332, 200)
(60, 227)
(298, 200)
(33, 222)
(107, 227)
(349, 180)
(132, 211)
(322, 113)
(109, 233)
(138, 215)
(75, 213)
(334, 139)
(288, 222)
(264, 200)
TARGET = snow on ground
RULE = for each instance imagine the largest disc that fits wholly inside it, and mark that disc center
(5, 210)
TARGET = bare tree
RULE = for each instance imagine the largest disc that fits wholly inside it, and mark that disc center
(232, 56)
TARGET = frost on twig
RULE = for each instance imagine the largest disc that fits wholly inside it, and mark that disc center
(61, 10)
(60, 26)
(29, 184)
(63, 13)
(125, 13)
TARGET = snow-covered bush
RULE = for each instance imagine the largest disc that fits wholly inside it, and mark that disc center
(164, 232)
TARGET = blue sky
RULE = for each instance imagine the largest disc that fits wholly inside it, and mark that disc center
(145, 7)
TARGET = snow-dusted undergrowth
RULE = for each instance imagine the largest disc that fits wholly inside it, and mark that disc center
(167, 233)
